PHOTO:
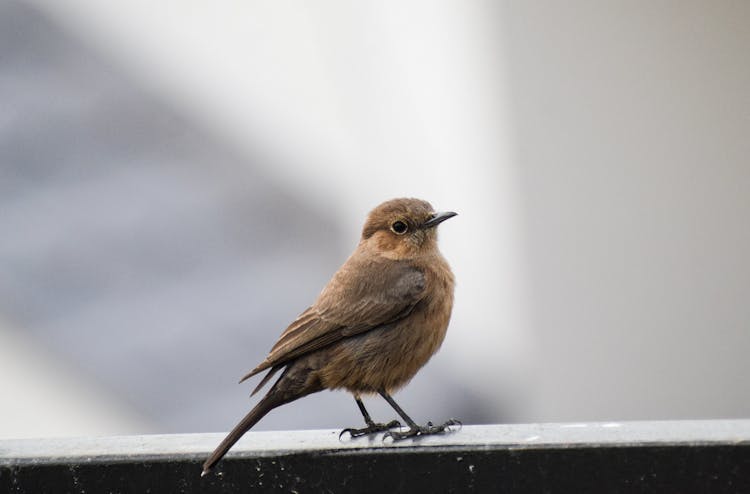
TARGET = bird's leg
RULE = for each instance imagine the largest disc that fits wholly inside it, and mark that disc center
(414, 429)
(372, 427)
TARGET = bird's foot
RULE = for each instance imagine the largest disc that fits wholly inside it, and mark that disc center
(422, 430)
(371, 428)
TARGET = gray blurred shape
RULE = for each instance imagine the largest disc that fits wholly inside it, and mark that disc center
(142, 249)
(148, 252)
(633, 128)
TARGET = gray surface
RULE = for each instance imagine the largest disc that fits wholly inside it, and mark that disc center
(268, 443)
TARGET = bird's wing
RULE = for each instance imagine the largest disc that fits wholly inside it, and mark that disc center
(360, 297)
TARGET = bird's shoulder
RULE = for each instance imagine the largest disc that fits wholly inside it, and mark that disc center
(367, 283)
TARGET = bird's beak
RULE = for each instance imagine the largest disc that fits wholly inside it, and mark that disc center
(438, 218)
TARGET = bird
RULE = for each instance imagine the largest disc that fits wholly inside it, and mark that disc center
(379, 319)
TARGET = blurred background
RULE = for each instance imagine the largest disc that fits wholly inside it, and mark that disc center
(179, 179)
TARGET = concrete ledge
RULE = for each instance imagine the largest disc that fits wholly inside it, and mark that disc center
(670, 456)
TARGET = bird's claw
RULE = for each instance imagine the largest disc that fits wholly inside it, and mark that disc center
(423, 430)
(453, 422)
(370, 429)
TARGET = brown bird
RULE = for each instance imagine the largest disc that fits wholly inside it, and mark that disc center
(375, 324)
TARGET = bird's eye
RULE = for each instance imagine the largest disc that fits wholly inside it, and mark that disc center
(399, 227)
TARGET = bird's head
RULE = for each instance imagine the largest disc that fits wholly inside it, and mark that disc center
(403, 228)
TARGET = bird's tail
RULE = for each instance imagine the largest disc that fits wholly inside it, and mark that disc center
(268, 403)
(298, 380)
